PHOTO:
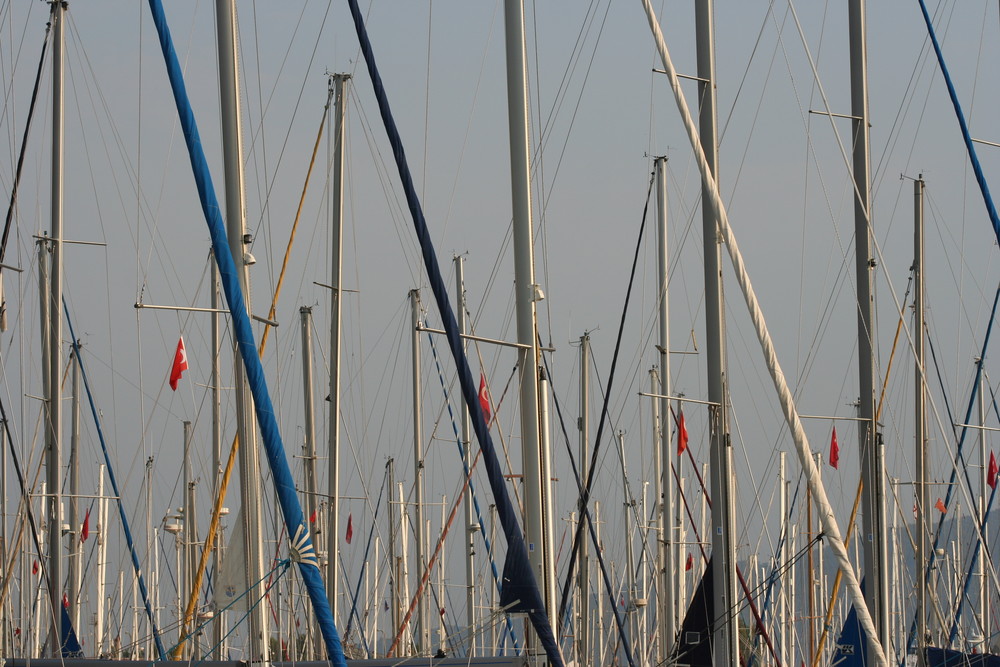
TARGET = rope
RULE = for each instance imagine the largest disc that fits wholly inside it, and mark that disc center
(213, 527)
(517, 553)
(801, 440)
(302, 546)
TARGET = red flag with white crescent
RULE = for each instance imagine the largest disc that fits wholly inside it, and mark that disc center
(991, 472)
(834, 450)
(180, 364)
(484, 397)
(682, 434)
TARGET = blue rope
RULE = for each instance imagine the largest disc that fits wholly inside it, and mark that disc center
(472, 490)
(118, 495)
(973, 157)
(291, 510)
(995, 221)
(517, 553)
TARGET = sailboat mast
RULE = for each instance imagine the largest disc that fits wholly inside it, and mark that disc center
(470, 519)
(584, 625)
(423, 606)
(218, 626)
(628, 507)
(920, 423)
(184, 573)
(726, 648)
(74, 535)
(102, 564)
(783, 554)
(53, 405)
(339, 82)
(309, 455)
(872, 473)
(525, 296)
(249, 459)
(394, 583)
(667, 561)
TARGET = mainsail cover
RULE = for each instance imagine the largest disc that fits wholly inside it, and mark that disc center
(694, 645)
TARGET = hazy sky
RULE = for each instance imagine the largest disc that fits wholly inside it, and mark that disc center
(599, 113)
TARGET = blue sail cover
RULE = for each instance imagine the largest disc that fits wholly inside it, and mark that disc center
(694, 643)
(517, 555)
(67, 636)
(851, 649)
(301, 548)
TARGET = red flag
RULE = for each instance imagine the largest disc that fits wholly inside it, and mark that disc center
(690, 562)
(939, 506)
(484, 397)
(834, 450)
(350, 528)
(682, 434)
(180, 364)
(34, 567)
(65, 601)
(312, 517)
(991, 472)
(85, 531)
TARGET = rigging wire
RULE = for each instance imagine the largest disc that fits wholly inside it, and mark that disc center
(114, 485)
(467, 469)
(24, 144)
(357, 589)
(585, 490)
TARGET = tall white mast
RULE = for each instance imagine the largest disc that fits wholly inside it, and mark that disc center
(629, 508)
(218, 624)
(584, 653)
(249, 458)
(922, 550)
(726, 633)
(339, 82)
(102, 565)
(394, 523)
(872, 471)
(423, 606)
(470, 520)
(309, 455)
(783, 627)
(526, 292)
(190, 527)
(74, 534)
(53, 405)
(666, 561)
